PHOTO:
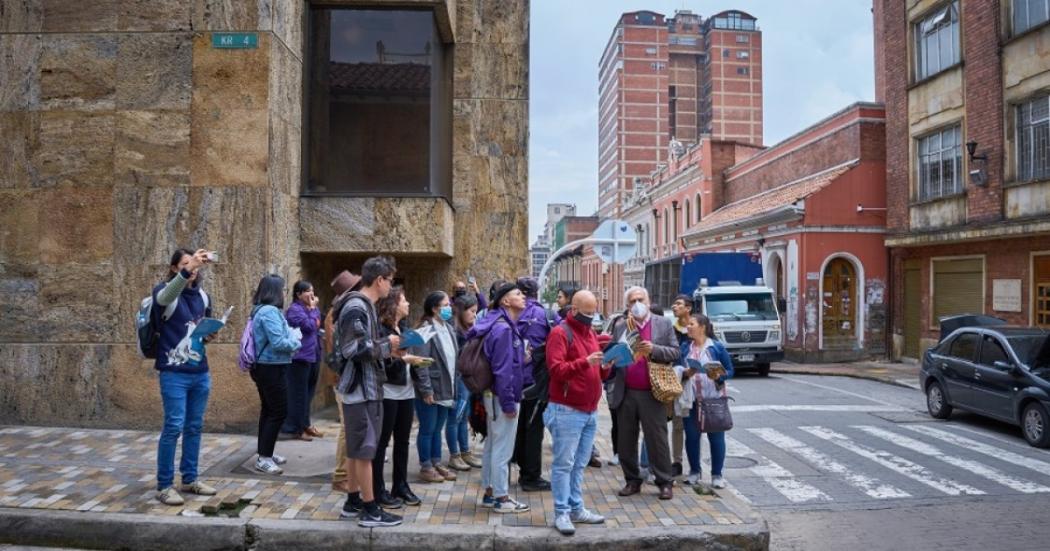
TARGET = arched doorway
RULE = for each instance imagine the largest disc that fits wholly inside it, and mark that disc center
(839, 305)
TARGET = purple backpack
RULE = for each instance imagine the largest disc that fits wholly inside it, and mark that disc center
(246, 359)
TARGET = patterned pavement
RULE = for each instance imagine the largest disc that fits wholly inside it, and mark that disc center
(114, 471)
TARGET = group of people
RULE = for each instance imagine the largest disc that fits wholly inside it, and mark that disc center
(547, 375)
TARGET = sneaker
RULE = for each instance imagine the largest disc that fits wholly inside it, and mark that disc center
(508, 505)
(377, 519)
(693, 479)
(388, 501)
(267, 465)
(457, 463)
(169, 496)
(615, 460)
(430, 475)
(488, 502)
(583, 516)
(409, 498)
(445, 473)
(717, 482)
(352, 507)
(564, 525)
(469, 459)
(279, 459)
(199, 488)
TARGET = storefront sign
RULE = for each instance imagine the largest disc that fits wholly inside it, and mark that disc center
(235, 41)
(1006, 295)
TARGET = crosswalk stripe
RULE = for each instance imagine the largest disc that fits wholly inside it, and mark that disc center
(975, 467)
(895, 463)
(817, 407)
(1041, 467)
(870, 486)
(776, 476)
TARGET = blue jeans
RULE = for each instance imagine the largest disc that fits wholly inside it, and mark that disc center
(457, 430)
(499, 446)
(185, 397)
(428, 439)
(572, 437)
(717, 440)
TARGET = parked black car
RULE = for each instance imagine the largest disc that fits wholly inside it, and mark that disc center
(992, 369)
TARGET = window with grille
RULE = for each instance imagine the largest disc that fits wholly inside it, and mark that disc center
(940, 164)
(937, 41)
(1033, 139)
(1029, 13)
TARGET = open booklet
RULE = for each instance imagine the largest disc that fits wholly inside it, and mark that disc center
(413, 337)
(209, 326)
(619, 355)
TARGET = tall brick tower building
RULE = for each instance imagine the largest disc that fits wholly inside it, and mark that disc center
(673, 78)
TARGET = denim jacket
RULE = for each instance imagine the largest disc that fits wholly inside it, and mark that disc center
(274, 340)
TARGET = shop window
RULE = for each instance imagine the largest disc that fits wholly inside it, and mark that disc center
(380, 108)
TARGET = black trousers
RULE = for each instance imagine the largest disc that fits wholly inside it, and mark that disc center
(302, 385)
(273, 394)
(528, 445)
(397, 422)
(615, 433)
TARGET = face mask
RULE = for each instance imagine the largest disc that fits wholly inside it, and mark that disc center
(446, 313)
(639, 310)
(583, 318)
(459, 292)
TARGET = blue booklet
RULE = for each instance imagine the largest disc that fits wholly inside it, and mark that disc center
(209, 326)
(412, 338)
(619, 355)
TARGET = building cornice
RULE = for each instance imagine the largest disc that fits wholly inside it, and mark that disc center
(1001, 230)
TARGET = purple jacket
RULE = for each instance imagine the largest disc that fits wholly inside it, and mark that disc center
(306, 319)
(534, 327)
(505, 349)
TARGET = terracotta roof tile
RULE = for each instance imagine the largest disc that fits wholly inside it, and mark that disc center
(769, 200)
(409, 78)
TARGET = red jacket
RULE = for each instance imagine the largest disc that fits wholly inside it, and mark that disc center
(574, 382)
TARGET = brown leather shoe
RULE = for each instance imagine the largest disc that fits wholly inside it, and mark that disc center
(304, 437)
(666, 492)
(630, 489)
(312, 431)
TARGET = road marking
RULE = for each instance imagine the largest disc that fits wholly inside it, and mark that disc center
(781, 479)
(895, 463)
(816, 407)
(870, 486)
(1042, 467)
(1019, 443)
(839, 390)
(975, 467)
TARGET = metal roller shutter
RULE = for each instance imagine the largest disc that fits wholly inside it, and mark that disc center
(957, 287)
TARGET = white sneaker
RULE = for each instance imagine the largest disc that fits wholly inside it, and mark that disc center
(583, 516)
(279, 459)
(267, 465)
(199, 488)
(692, 480)
(169, 496)
(508, 505)
(615, 460)
(564, 525)
(717, 482)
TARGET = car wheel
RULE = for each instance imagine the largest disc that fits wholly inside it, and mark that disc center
(1035, 424)
(763, 370)
(937, 402)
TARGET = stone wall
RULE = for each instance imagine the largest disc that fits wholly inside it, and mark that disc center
(125, 134)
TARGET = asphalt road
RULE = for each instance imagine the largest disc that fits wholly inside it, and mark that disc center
(841, 463)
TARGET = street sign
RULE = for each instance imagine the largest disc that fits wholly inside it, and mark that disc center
(235, 41)
(617, 241)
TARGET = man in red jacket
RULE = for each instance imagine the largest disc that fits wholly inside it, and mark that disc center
(574, 361)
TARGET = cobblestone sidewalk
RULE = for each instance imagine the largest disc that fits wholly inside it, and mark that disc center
(114, 471)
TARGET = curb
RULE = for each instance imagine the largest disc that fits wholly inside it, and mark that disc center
(39, 527)
(864, 376)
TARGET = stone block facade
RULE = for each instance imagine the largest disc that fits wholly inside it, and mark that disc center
(125, 134)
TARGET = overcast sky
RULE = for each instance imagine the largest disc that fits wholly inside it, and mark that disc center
(817, 58)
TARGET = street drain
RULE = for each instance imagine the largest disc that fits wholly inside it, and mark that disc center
(737, 462)
(230, 507)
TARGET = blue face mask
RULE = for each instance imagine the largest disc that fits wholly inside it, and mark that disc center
(446, 313)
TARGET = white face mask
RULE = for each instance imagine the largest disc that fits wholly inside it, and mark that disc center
(639, 310)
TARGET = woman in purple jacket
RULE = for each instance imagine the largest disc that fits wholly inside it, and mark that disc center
(302, 376)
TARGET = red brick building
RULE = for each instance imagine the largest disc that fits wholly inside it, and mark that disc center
(812, 209)
(968, 232)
